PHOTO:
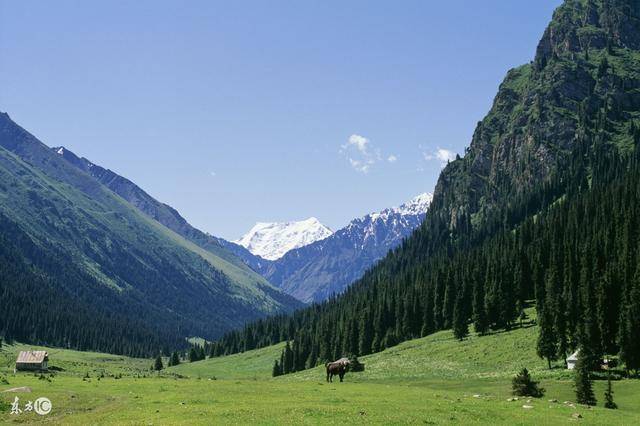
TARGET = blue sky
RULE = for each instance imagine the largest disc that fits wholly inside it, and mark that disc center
(242, 111)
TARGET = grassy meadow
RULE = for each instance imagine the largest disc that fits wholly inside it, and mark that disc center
(433, 380)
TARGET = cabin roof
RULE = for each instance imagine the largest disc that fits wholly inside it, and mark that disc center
(32, 357)
(573, 356)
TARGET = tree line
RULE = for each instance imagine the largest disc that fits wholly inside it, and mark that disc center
(571, 244)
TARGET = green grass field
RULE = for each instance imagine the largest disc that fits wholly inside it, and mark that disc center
(433, 380)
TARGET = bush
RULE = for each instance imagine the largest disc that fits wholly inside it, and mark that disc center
(356, 366)
(524, 385)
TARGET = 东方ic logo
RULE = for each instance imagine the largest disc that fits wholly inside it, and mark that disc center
(42, 406)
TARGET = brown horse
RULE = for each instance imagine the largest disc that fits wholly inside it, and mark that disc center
(337, 368)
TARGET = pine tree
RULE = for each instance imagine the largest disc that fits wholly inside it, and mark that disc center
(427, 315)
(193, 355)
(555, 303)
(590, 332)
(366, 334)
(629, 326)
(277, 371)
(523, 385)
(460, 325)
(158, 363)
(522, 315)
(583, 384)
(480, 322)
(546, 345)
(608, 395)
(174, 360)
(605, 296)
(449, 301)
(288, 359)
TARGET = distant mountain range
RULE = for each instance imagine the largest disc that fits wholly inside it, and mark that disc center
(91, 261)
(544, 204)
(305, 259)
(315, 271)
(272, 240)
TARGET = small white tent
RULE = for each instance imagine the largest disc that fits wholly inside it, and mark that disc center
(571, 361)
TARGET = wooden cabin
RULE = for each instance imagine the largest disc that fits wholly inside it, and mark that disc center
(32, 361)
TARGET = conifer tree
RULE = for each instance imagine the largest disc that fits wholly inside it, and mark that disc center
(523, 385)
(157, 365)
(427, 315)
(288, 359)
(608, 395)
(366, 334)
(590, 332)
(277, 371)
(449, 301)
(438, 321)
(193, 355)
(546, 345)
(561, 333)
(522, 315)
(583, 383)
(460, 325)
(605, 298)
(174, 359)
(629, 325)
(480, 322)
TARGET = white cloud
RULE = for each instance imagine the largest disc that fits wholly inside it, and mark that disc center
(442, 155)
(392, 158)
(361, 155)
(213, 174)
(360, 142)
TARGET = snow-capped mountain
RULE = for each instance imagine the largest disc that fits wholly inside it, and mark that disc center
(318, 270)
(271, 241)
(384, 227)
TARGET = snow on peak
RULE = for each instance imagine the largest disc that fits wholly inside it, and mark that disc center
(414, 207)
(271, 240)
(417, 205)
(60, 150)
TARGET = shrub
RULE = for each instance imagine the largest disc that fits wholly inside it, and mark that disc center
(524, 385)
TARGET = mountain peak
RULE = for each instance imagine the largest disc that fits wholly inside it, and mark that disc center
(271, 240)
(417, 205)
(580, 25)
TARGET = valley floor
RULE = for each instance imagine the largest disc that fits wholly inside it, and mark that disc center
(434, 380)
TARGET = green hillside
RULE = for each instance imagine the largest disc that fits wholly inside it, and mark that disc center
(432, 380)
(248, 365)
(83, 268)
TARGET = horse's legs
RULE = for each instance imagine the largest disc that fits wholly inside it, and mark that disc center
(341, 376)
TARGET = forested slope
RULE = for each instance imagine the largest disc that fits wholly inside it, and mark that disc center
(82, 268)
(544, 204)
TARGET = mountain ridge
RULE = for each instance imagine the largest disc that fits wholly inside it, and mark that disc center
(131, 276)
(315, 272)
(272, 240)
(139, 198)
